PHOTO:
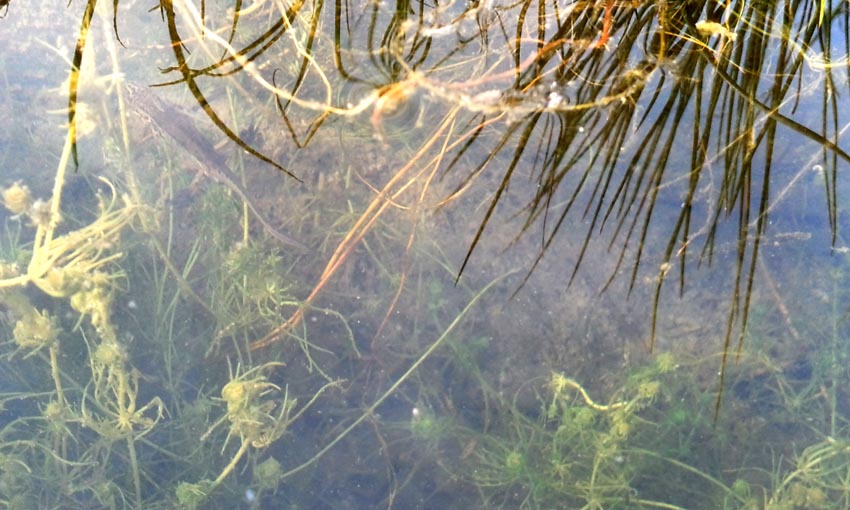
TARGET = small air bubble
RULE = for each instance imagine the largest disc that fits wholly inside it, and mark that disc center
(555, 100)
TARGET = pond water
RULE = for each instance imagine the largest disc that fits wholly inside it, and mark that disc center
(472, 255)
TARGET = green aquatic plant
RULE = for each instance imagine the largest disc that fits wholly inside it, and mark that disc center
(17, 198)
(257, 418)
(65, 265)
(652, 444)
(118, 327)
(267, 475)
(34, 330)
(575, 453)
(248, 290)
(818, 478)
(119, 416)
(79, 267)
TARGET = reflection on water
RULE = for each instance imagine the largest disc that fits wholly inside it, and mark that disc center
(536, 247)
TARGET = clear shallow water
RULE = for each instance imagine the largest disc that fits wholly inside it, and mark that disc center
(415, 390)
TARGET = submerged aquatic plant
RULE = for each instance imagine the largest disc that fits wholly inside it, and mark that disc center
(554, 98)
(616, 107)
(69, 264)
(256, 420)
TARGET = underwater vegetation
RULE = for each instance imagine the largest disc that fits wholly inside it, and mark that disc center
(162, 351)
(102, 416)
(119, 392)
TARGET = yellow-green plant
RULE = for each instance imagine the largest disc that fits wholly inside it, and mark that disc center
(575, 453)
(78, 267)
(257, 417)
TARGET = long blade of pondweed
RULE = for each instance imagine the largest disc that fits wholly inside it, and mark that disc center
(428, 352)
